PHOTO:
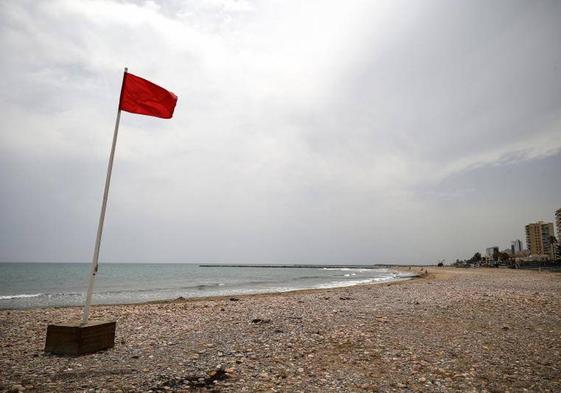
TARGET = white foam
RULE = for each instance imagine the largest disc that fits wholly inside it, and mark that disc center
(349, 269)
(8, 297)
(350, 283)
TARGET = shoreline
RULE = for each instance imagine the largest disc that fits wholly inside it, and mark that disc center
(217, 297)
(271, 294)
(453, 330)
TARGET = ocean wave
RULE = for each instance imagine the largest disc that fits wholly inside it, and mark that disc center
(148, 291)
(349, 269)
(24, 295)
(204, 286)
(305, 278)
(350, 283)
(159, 289)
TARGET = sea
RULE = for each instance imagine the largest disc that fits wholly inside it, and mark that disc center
(30, 285)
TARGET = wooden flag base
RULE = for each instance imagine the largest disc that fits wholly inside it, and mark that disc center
(76, 339)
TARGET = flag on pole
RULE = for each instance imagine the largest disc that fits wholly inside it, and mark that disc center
(137, 96)
(146, 98)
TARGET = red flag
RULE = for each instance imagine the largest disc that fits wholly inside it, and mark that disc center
(146, 98)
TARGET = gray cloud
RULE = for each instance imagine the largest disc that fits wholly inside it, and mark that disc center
(380, 131)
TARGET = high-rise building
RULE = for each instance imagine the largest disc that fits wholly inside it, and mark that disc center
(491, 252)
(516, 246)
(558, 223)
(538, 238)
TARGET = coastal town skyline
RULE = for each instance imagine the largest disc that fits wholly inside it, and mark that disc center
(541, 241)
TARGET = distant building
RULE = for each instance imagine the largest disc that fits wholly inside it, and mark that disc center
(538, 239)
(558, 222)
(491, 252)
(516, 246)
(556, 249)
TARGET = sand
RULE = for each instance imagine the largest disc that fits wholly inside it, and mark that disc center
(492, 330)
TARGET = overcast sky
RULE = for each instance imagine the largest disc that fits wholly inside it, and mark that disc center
(305, 132)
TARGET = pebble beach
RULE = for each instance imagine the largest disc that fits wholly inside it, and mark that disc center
(451, 330)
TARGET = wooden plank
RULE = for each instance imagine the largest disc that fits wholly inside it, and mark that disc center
(74, 339)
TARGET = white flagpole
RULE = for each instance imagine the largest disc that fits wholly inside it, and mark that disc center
(93, 269)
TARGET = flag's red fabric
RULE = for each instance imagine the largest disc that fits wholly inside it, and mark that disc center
(146, 98)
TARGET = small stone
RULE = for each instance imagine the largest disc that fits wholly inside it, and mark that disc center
(259, 320)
